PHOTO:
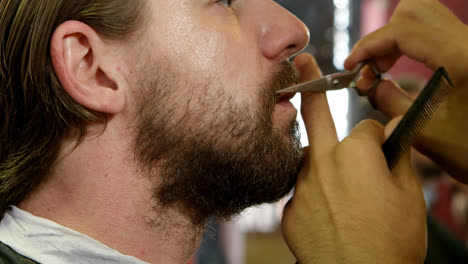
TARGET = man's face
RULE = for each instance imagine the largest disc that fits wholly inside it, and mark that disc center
(210, 130)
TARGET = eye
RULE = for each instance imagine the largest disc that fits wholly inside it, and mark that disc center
(226, 3)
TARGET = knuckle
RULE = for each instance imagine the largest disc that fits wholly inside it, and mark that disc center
(345, 147)
(349, 147)
(406, 9)
(407, 14)
(361, 140)
(373, 124)
(367, 127)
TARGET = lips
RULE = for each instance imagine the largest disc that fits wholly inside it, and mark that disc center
(286, 97)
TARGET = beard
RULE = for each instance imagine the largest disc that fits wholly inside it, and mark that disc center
(209, 155)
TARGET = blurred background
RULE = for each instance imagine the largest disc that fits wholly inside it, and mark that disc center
(335, 25)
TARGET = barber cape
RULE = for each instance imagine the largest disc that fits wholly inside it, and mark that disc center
(26, 238)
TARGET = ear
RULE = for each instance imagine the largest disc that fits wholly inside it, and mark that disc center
(84, 66)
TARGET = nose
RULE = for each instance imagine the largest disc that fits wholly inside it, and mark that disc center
(282, 35)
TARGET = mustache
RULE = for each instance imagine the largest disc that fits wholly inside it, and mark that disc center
(285, 76)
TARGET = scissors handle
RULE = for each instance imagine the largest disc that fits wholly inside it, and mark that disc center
(371, 91)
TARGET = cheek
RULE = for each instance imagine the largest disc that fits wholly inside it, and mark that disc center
(205, 55)
(213, 52)
(208, 56)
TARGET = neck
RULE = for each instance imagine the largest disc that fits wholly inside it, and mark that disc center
(96, 189)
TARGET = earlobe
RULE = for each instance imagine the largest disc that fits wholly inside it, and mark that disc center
(81, 62)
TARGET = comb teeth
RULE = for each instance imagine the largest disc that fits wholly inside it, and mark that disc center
(417, 117)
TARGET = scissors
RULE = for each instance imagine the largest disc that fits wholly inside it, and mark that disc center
(337, 81)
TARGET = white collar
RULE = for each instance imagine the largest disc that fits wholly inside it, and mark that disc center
(47, 242)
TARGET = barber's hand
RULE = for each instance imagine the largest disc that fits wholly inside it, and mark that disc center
(348, 207)
(428, 32)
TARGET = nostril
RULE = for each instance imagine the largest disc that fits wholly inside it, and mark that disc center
(292, 47)
(290, 50)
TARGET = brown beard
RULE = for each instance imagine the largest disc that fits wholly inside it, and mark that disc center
(213, 156)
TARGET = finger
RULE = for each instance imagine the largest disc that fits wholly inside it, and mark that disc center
(364, 143)
(382, 63)
(391, 41)
(380, 43)
(307, 65)
(390, 99)
(366, 140)
(369, 131)
(364, 83)
(315, 110)
(367, 72)
(386, 62)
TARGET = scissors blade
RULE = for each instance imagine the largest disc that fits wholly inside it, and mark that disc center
(319, 85)
(330, 82)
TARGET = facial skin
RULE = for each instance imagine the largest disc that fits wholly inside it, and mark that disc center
(211, 130)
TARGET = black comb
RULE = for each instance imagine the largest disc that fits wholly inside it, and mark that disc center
(417, 117)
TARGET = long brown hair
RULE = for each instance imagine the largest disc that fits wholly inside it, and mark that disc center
(35, 111)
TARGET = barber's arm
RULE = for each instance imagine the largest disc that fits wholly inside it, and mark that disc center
(348, 207)
(428, 32)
